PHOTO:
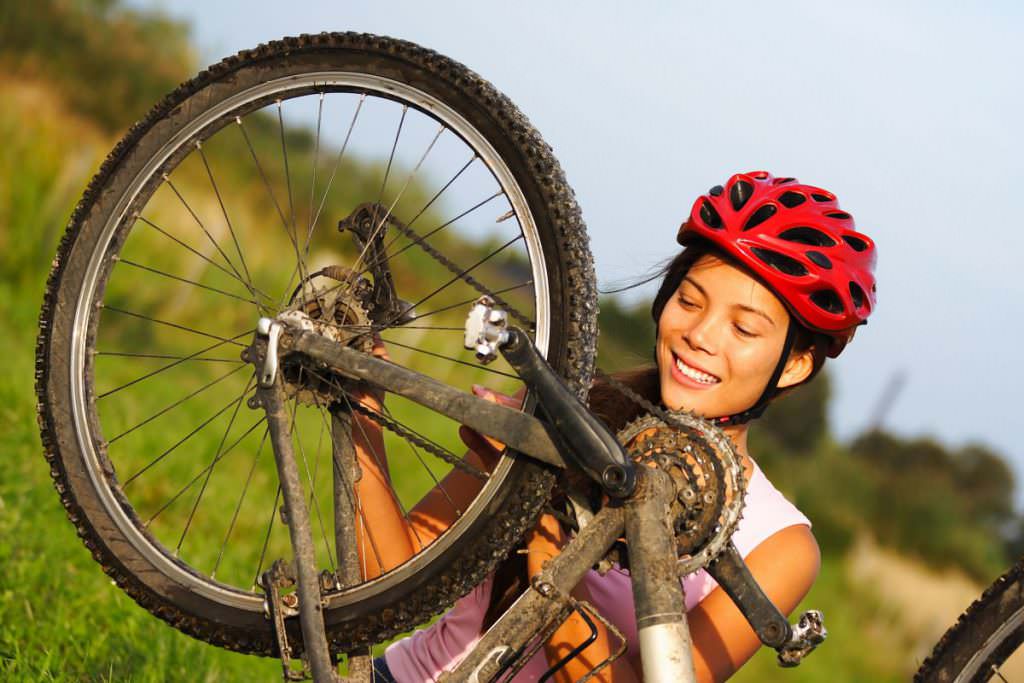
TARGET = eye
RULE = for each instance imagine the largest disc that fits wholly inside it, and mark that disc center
(687, 302)
(743, 331)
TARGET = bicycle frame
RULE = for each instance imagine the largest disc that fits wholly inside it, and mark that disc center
(640, 497)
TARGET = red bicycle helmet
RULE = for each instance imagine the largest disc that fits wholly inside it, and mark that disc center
(799, 242)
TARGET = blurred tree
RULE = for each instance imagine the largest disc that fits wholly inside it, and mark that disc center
(627, 334)
(108, 62)
(987, 483)
(938, 503)
(798, 421)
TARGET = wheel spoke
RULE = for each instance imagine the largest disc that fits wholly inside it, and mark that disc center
(464, 303)
(167, 356)
(436, 196)
(224, 211)
(196, 478)
(458, 276)
(251, 287)
(174, 405)
(380, 195)
(420, 240)
(177, 362)
(183, 439)
(312, 488)
(437, 483)
(266, 539)
(186, 280)
(312, 184)
(209, 470)
(334, 170)
(202, 226)
(475, 366)
(238, 506)
(381, 460)
(293, 233)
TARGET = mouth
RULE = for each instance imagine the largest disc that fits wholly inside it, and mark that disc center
(696, 375)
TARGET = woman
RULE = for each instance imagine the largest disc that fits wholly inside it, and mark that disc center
(773, 279)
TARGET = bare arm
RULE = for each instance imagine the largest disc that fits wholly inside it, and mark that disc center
(784, 565)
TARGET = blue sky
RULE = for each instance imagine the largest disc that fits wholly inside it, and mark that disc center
(908, 111)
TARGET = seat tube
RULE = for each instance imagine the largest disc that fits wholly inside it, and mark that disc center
(663, 634)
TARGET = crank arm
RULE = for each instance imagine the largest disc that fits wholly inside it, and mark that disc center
(519, 431)
(771, 626)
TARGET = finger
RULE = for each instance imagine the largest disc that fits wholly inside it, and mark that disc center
(495, 397)
(477, 442)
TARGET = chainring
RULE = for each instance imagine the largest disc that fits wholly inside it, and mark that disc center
(708, 473)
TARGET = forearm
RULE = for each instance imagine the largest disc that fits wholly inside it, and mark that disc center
(384, 536)
(543, 544)
(447, 501)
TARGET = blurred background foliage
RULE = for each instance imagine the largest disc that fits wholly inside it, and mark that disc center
(75, 76)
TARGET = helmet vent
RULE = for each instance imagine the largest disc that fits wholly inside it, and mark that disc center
(820, 259)
(739, 193)
(762, 214)
(783, 181)
(827, 300)
(808, 236)
(857, 243)
(818, 197)
(858, 295)
(841, 215)
(780, 262)
(709, 215)
(716, 191)
(791, 199)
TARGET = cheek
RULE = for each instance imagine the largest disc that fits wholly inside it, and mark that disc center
(757, 361)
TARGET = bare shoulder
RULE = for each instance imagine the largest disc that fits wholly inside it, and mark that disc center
(786, 564)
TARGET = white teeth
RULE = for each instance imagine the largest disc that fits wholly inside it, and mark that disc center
(694, 373)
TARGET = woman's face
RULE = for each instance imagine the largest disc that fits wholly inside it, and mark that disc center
(719, 340)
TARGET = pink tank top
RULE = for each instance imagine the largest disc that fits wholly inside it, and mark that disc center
(422, 657)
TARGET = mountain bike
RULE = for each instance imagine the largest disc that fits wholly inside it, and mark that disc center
(210, 317)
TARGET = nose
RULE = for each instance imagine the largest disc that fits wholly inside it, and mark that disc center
(701, 335)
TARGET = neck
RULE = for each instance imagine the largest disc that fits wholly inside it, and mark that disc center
(738, 434)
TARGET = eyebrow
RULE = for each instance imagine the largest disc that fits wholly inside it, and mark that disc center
(742, 307)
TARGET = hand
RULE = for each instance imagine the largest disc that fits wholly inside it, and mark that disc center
(486, 446)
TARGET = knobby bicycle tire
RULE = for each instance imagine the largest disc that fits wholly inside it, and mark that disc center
(984, 636)
(512, 509)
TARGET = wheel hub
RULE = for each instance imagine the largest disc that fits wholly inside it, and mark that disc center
(330, 302)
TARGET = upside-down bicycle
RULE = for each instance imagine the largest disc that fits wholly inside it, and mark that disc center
(203, 310)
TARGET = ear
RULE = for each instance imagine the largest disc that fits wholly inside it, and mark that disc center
(798, 368)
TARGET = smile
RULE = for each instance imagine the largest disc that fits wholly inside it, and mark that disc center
(694, 374)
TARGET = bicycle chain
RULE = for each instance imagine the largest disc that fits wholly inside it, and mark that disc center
(416, 440)
(460, 273)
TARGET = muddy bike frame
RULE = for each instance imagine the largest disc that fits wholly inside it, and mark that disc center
(573, 437)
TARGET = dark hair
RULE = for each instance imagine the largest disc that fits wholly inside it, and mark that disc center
(617, 410)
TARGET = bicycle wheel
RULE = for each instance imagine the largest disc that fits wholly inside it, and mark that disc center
(980, 646)
(210, 213)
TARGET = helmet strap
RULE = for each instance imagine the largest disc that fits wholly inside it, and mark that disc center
(770, 390)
